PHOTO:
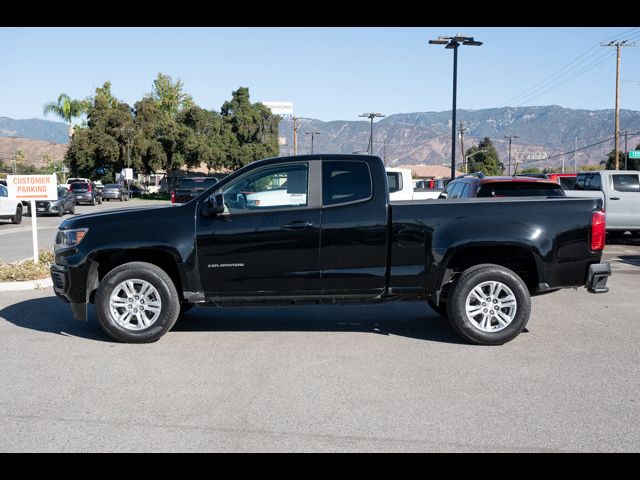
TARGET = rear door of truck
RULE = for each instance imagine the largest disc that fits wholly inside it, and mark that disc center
(353, 246)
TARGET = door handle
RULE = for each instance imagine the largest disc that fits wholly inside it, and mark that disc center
(614, 198)
(301, 225)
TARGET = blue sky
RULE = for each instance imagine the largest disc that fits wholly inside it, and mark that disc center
(328, 73)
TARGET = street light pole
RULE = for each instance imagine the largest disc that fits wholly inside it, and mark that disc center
(371, 116)
(454, 43)
(313, 134)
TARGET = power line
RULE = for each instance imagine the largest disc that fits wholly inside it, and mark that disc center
(574, 64)
(575, 150)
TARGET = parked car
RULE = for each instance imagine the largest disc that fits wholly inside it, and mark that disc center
(191, 187)
(619, 191)
(99, 185)
(566, 180)
(477, 185)
(477, 262)
(136, 190)
(401, 187)
(10, 209)
(115, 191)
(65, 203)
(74, 180)
(84, 192)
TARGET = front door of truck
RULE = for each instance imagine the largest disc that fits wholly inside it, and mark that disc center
(267, 242)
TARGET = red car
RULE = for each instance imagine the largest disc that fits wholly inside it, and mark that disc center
(477, 185)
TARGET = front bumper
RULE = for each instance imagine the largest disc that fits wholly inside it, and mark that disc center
(597, 277)
(63, 278)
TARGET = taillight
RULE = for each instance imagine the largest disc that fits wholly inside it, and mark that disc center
(598, 230)
(173, 196)
(88, 187)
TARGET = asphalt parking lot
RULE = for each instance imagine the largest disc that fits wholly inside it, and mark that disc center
(15, 240)
(393, 377)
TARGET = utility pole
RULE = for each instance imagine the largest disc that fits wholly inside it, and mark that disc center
(575, 163)
(371, 116)
(618, 45)
(15, 154)
(462, 130)
(384, 154)
(562, 164)
(296, 126)
(510, 137)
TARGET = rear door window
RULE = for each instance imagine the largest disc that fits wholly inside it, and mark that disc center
(455, 190)
(345, 182)
(626, 182)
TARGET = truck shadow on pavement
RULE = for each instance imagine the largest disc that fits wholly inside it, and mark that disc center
(407, 319)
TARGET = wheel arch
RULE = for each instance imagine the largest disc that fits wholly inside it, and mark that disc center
(105, 261)
(521, 259)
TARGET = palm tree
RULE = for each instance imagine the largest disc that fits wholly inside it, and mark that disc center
(67, 109)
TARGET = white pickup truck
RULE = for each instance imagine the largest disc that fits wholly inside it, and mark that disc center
(620, 193)
(401, 186)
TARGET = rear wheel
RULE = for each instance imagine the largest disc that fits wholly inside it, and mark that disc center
(137, 303)
(17, 218)
(489, 305)
(72, 210)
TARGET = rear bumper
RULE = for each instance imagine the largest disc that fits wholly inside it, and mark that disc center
(597, 277)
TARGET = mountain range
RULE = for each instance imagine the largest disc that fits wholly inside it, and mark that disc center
(425, 137)
(414, 138)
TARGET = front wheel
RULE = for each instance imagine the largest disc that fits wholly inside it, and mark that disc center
(489, 305)
(137, 303)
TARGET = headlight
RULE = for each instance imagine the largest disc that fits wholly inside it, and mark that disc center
(70, 238)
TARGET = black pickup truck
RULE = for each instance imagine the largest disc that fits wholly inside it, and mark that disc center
(321, 228)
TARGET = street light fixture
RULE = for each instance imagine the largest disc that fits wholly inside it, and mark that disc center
(371, 116)
(313, 134)
(454, 43)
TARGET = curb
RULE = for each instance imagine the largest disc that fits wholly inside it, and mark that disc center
(26, 285)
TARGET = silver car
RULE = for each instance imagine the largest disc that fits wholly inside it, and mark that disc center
(114, 191)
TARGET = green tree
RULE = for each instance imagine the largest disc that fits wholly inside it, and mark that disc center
(486, 162)
(66, 108)
(169, 95)
(531, 170)
(254, 127)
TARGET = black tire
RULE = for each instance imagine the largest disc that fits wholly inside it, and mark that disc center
(17, 218)
(93, 202)
(100, 201)
(159, 279)
(470, 279)
(122, 198)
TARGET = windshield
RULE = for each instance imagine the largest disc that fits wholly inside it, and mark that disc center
(520, 189)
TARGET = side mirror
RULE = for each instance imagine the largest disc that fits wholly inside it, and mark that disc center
(214, 205)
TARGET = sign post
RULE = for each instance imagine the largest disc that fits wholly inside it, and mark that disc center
(32, 188)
